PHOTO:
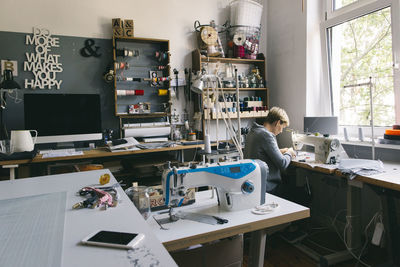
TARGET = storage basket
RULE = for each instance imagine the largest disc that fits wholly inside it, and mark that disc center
(245, 13)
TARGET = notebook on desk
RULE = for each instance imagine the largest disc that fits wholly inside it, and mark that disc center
(128, 143)
(61, 153)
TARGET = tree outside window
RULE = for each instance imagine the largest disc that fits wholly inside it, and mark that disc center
(362, 48)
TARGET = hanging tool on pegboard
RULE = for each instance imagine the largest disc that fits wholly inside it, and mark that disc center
(176, 72)
(186, 87)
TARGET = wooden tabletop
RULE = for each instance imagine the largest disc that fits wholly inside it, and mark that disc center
(390, 178)
(185, 233)
(98, 153)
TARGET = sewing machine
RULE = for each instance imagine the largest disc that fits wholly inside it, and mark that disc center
(327, 150)
(240, 184)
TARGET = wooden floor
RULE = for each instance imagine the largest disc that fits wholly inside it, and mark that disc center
(279, 253)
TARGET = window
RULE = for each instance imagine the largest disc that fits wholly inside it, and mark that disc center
(361, 44)
(337, 4)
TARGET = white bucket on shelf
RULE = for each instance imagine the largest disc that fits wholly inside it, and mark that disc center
(245, 12)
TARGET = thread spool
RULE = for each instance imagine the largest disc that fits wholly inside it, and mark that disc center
(121, 65)
(161, 55)
(251, 56)
(139, 92)
(207, 144)
(238, 39)
(162, 92)
(238, 51)
(129, 92)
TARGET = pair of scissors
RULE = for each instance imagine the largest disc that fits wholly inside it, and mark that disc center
(220, 220)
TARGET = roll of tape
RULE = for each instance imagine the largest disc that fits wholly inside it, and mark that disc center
(162, 92)
(238, 39)
(139, 92)
(130, 92)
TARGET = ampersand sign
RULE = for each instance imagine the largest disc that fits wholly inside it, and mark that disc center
(88, 50)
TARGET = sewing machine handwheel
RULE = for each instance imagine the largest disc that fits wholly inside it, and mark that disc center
(247, 187)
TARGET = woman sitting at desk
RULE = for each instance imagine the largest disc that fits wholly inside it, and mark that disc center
(261, 144)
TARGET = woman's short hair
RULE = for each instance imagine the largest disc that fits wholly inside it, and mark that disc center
(274, 114)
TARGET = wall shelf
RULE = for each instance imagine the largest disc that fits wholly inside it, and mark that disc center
(233, 115)
(240, 89)
(143, 115)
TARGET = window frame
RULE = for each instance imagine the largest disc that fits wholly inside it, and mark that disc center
(353, 11)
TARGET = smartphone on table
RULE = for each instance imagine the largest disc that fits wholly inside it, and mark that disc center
(113, 239)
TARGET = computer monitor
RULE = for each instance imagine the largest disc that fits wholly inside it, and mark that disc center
(323, 125)
(62, 118)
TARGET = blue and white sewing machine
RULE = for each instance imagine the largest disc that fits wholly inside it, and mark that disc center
(240, 184)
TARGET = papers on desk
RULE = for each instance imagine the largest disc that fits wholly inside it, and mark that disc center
(32, 230)
(156, 145)
(354, 167)
(129, 145)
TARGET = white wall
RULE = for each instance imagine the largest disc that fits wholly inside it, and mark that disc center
(286, 58)
(295, 51)
(163, 19)
(318, 100)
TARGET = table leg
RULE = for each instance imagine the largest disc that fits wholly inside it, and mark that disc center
(12, 170)
(388, 200)
(353, 232)
(257, 248)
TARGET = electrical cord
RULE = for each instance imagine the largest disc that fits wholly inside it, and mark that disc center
(228, 125)
(348, 225)
(374, 219)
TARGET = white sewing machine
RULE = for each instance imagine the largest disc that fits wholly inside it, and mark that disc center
(327, 150)
(240, 184)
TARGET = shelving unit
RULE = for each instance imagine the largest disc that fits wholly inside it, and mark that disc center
(140, 67)
(137, 76)
(199, 63)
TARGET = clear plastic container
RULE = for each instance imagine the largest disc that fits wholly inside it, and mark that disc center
(141, 199)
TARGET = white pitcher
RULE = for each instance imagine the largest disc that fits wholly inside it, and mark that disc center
(22, 140)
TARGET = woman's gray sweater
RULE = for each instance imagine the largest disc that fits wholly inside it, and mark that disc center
(261, 144)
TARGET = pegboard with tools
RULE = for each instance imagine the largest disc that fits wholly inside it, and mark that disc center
(141, 69)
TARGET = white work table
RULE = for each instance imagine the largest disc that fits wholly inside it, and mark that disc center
(389, 178)
(386, 184)
(79, 223)
(184, 233)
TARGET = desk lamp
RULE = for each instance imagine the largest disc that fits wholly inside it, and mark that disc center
(198, 84)
(7, 85)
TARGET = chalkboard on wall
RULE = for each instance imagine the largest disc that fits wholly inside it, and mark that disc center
(80, 75)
